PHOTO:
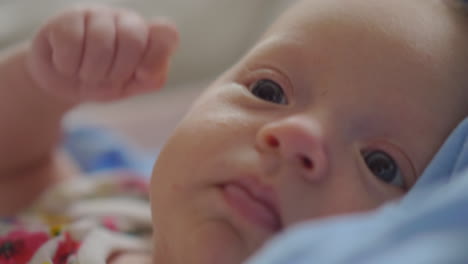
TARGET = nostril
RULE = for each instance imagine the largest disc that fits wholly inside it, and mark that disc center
(273, 141)
(306, 162)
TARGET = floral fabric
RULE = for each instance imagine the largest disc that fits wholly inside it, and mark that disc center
(85, 220)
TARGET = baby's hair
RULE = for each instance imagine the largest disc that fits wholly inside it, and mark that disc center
(460, 5)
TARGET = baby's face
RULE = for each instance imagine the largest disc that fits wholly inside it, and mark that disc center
(337, 109)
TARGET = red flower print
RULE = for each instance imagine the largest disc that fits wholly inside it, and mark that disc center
(110, 223)
(65, 249)
(19, 246)
(134, 184)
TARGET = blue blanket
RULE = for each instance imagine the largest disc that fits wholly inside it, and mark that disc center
(98, 149)
(428, 226)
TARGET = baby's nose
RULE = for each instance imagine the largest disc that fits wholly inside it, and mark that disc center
(299, 141)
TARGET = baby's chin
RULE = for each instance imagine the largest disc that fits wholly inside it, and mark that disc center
(211, 243)
(216, 243)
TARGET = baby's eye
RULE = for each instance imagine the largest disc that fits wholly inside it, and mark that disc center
(269, 90)
(384, 167)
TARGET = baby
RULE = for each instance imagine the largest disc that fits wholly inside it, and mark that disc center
(337, 109)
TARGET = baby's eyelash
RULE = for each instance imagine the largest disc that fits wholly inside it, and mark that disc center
(259, 72)
(396, 153)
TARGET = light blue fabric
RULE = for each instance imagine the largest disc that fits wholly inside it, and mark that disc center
(428, 226)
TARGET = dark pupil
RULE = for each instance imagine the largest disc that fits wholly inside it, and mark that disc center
(269, 91)
(382, 166)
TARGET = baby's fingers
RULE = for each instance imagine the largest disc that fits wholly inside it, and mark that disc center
(99, 45)
(132, 39)
(163, 40)
(43, 70)
(66, 37)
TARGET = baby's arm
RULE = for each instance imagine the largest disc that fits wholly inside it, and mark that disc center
(83, 54)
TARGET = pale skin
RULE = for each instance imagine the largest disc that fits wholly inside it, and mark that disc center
(307, 149)
(299, 120)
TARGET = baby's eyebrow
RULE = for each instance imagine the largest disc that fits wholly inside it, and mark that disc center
(279, 40)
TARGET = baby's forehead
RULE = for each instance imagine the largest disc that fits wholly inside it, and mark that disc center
(428, 26)
(427, 34)
(372, 13)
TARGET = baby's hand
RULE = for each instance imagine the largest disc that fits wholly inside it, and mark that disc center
(100, 53)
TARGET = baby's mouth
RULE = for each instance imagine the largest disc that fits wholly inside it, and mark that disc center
(254, 203)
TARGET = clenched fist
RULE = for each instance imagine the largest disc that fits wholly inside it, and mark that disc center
(100, 53)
